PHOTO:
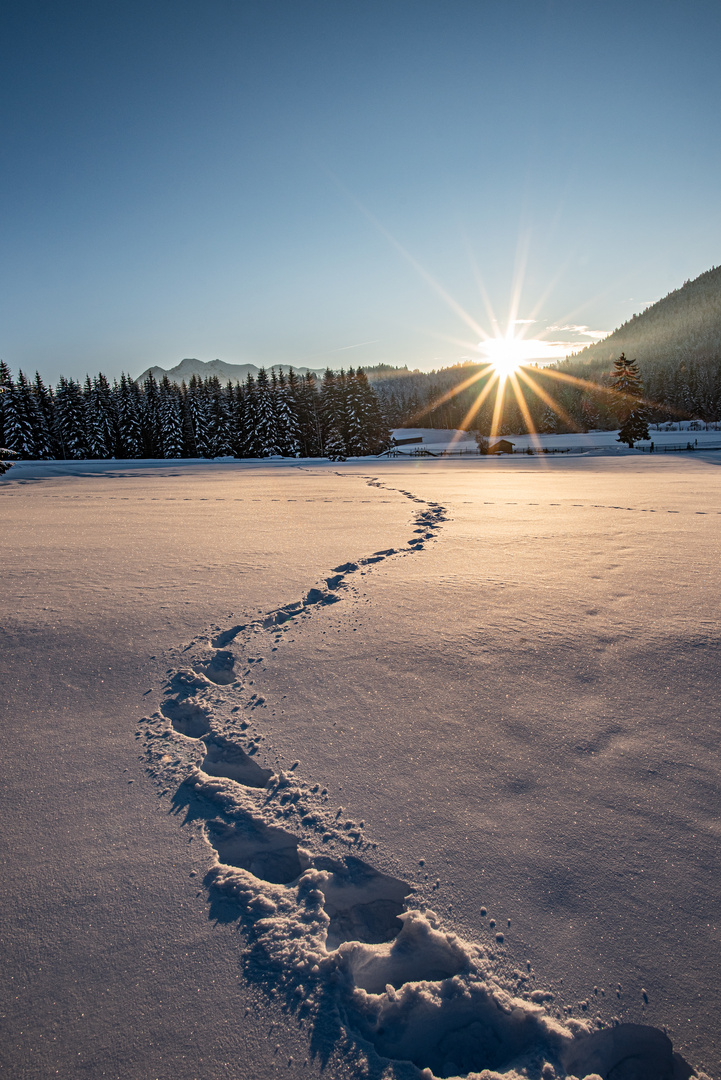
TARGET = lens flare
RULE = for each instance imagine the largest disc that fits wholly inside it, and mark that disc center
(507, 354)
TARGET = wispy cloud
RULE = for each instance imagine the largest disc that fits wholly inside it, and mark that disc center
(583, 331)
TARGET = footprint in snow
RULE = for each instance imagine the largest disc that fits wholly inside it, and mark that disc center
(413, 991)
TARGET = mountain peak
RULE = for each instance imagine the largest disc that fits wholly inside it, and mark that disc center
(205, 369)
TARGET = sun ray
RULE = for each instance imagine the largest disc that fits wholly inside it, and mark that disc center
(474, 408)
(481, 287)
(471, 346)
(457, 389)
(558, 409)
(586, 384)
(498, 406)
(421, 270)
(525, 411)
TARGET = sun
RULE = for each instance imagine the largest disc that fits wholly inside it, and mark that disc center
(507, 354)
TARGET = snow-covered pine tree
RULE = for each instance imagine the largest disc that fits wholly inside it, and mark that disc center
(308, 410)
(549, 421)
(169, 420)
(251, 446)
(629, 406)
(186, 424)
(334, 444)
(5, 388)
(265, 425)
(635, 428)
(353, 416)
(71, 419)
(101, 426)
(218, 419)
(150, 418)
(45, 445)
(197, 407)
(93, 433)
(20, 418)
(332, 415)
(235, 407)
(128, 411)
(286, 417)
(375, 431)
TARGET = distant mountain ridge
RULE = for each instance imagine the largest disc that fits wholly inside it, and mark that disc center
(683, 326)
(204, 369)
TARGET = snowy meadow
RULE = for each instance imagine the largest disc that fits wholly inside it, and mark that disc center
(375, 769)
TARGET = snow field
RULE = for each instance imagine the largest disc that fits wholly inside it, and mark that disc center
(302, 875)
(323, 924)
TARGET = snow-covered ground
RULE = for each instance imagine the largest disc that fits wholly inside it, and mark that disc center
(478, 692)
(437, 440)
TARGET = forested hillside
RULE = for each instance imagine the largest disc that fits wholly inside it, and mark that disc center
(683, 327)
(293, 416)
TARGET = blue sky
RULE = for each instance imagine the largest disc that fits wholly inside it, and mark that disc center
(328, 183)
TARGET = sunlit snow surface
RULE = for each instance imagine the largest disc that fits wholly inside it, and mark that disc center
(443, 736)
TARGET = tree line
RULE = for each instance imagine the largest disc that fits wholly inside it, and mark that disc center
(342, 415)
(271, 414)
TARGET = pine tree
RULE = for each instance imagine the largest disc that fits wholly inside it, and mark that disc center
(286, 418)
(237, 419)
(186, 425)
(169, 420)
(334, 444)
(376, 436)
(5, 389)
(101, 424)
(251, 446)
(331, 402)
(218, 432)
(71, 419)
(549, 422)
(635, 428)
(18, 416)
(266, 435)
(197, 407)
(150, 418)
(45, 445)
(304, 392)
(128, 411)
(628, 390)
(353, 416)
(626, 385)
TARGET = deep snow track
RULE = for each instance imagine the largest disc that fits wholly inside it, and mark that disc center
(339, 940)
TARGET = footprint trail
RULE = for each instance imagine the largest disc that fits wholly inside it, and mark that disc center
(343, 942)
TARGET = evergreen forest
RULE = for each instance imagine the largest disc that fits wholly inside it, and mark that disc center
(267, 415)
